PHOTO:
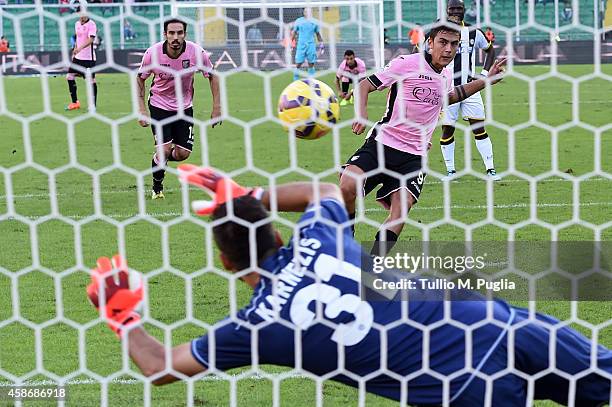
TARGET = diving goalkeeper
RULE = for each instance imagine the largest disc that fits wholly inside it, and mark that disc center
(312, 284)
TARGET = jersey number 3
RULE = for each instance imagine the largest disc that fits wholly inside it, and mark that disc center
(335, 302)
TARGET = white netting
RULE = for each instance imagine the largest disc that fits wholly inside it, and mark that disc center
(61, 209)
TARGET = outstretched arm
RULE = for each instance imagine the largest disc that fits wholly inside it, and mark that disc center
(150, 357)
(296, 196)
(110, 280)
(462, 92)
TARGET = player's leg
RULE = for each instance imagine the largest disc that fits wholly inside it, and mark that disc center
(473, 109)
(162, 135)
(484, 146)
(389, 232)
(345, 85)
(572, 356)
(447, 140)
(353, 181)
(300, 57)
(94, 87)
(182, 135)
(396, 196)
(72, 87)
(311, 57)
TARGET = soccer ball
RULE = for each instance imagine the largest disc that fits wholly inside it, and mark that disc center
(310, 107)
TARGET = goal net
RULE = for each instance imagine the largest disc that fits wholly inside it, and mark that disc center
(75, 185)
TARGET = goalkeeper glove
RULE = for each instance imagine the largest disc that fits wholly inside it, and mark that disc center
(321, 48)
(121, 301)
(220, 188)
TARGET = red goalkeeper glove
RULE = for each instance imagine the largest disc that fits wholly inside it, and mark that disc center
(121, 301)
(220, 188)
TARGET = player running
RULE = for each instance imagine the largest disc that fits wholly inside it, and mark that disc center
(83, 58)
(312, 285)
(397, 144)
(305, 29)
(472, 108)
(350, 68)
(165, 60)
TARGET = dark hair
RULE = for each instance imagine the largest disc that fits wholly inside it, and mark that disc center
(349, 52)
(174, 20)
(232, 237)
(445, 27)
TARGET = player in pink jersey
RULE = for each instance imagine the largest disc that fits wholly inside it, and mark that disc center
(167, 60)
(83, 58)
(395, 147)
(351, 67)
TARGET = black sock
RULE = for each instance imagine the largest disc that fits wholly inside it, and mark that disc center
(352, 217)
(72, 88)
(95, 92)
(381, 248)
(158, 176)
(345, 86)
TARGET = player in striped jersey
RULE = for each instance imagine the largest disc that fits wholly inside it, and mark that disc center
(472, 108)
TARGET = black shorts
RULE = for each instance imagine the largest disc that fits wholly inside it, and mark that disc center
(84, 64)
(177, 131)
(399, 162)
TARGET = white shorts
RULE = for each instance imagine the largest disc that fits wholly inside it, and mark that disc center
(471, 108)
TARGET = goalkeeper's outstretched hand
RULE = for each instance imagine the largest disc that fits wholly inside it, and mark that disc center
(321, 48)
(120, 300)
(220, 188)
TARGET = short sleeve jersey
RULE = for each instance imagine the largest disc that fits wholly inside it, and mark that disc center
(83, 33)
(312, 285)
(157, 62)
(415, 99)
(346, 72)
(306, 29)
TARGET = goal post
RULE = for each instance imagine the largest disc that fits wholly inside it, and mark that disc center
(243, 26)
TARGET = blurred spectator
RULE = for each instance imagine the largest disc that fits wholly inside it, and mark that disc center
(567, 13)
(416, 36)
(490, 35)
(65, 9)
(106, 9)
(128, 32)
(5, 46)
(470, 13)
(72, 41)
(254, 35)
(385, 37)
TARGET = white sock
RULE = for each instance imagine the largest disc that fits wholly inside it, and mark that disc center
(485, 148)
(448, 152)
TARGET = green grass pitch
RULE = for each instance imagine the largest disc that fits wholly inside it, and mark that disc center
(169, 244)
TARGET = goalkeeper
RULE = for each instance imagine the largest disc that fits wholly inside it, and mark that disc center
(318, 293)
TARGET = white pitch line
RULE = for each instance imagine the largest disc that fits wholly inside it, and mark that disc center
(422, 208)
(208, 378)
(126, 191)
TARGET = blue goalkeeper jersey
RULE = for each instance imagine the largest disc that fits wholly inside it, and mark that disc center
(317, 294)
(306, 30)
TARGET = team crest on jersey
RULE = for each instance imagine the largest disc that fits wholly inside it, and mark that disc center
(185, 63)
